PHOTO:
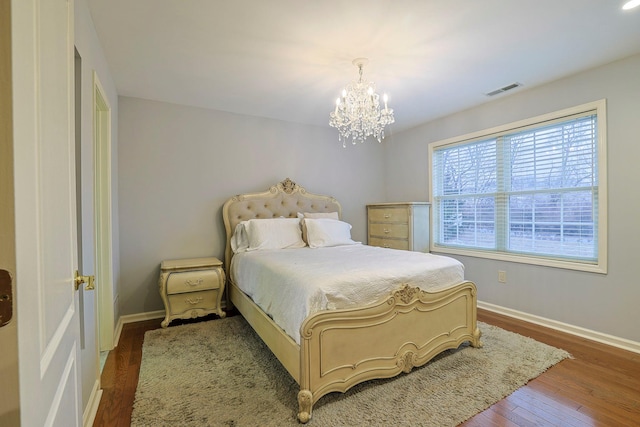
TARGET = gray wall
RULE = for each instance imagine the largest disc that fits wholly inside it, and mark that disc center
(178, 165)
(603, 303)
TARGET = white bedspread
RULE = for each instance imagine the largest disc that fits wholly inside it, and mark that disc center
(291, 284)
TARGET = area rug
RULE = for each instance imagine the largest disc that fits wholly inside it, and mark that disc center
(219, 373)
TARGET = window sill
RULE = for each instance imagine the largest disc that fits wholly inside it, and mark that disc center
(600, 267)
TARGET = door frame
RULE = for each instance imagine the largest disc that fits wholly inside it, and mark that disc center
(103, 214)
(9, 392)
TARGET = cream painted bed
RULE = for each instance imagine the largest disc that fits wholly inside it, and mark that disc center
(336, 350)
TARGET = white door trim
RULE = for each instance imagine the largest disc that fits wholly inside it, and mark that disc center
(103, 214)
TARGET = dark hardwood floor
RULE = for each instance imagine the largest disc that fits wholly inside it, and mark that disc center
(599, 386)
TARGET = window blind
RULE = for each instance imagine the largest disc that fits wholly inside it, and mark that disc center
(531, 190)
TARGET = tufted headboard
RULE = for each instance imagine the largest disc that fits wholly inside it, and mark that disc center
(284, 199)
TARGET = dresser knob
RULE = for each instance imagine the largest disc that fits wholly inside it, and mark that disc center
(387, 216)
(386, 231)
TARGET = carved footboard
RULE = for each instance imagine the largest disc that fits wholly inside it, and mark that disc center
(342, 348)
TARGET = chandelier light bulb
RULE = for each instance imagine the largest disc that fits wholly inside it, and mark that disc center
(631, 4)
(358, 114)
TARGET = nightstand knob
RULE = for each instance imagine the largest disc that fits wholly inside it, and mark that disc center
(194, 282)
(193, 301)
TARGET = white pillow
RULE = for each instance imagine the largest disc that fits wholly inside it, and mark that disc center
(274, 233)
(302, 215)
(239, 240)
(324, 232)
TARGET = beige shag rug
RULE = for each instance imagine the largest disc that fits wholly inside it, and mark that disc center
(219, 373)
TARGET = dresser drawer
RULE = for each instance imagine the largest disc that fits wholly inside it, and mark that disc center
(400, 215)
(400, 231)
(389, 243)
(205, 300)
(190, 281)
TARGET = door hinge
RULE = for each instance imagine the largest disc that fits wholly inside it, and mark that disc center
(6, 297)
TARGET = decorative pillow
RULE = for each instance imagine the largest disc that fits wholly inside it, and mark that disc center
(302, 215)
(274, 233)
(324, 232)
(332, 215)
(239, 240)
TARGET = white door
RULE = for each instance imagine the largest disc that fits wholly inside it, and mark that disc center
(46, 257)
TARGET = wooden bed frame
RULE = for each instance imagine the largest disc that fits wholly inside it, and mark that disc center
(341, 348)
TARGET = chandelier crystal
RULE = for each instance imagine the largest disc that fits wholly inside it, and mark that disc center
(358, 114)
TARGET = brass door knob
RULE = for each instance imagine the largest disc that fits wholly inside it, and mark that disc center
(89, 280)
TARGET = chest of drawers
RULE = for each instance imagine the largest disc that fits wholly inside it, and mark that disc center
(399, 225)
(191, 288)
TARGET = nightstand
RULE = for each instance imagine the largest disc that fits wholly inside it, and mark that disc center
(191, 288)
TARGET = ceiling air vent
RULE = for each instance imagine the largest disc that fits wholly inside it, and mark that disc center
(504, 89)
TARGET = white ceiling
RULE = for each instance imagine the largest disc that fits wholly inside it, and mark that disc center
(290, 59)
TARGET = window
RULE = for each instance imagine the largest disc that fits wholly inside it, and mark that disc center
(532, 191)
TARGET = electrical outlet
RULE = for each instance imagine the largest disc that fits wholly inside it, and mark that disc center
(502, 276)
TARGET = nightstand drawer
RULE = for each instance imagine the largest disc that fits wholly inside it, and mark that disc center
(191, 281)
(182, 303)
(389, 215)
(390, 243)
(400, 231)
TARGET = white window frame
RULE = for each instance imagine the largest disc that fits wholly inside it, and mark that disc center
(600, 266)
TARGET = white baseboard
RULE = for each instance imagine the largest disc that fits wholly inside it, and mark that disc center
(89, 415)
(130, 318)
(611, 340)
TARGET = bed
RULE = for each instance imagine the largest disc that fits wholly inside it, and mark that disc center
(340, 347)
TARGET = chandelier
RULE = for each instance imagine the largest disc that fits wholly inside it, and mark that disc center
(358, 114)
